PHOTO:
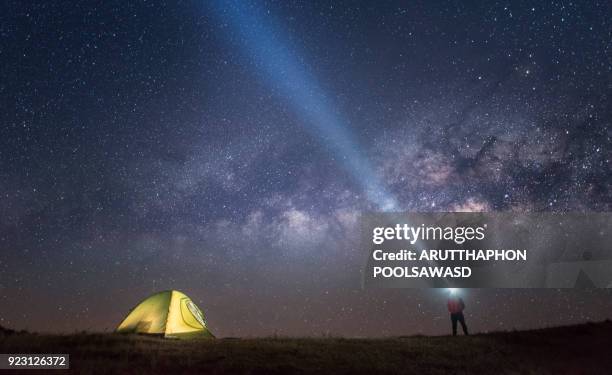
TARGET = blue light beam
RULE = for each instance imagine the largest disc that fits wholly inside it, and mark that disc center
(285, 71)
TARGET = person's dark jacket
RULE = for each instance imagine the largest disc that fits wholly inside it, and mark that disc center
(455, 305)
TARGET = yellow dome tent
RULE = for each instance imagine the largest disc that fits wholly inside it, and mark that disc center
(170, 314)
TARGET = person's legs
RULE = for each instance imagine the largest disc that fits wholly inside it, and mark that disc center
(463, 325)
(454, 323)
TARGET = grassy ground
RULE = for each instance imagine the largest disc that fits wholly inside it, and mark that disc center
(583, 349)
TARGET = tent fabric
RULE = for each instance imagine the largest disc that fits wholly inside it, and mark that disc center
(170, 314)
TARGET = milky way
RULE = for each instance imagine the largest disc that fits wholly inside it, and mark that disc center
(154, 146)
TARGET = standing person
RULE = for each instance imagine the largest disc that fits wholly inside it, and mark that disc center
(455, 308)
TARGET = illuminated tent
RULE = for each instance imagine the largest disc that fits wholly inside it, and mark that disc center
(170, 314)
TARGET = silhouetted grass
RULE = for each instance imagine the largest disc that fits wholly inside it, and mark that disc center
(582, 349)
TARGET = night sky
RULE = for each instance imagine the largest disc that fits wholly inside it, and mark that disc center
(226, 149)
